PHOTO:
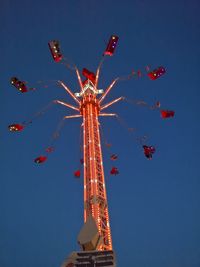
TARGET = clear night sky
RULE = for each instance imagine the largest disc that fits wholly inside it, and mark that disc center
(153, 205)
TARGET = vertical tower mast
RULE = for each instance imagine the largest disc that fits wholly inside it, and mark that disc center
(95, 199)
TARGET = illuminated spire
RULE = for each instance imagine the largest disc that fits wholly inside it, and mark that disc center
(95, 198)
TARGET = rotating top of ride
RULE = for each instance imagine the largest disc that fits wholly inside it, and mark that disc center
(87, 100)
(89, 85)
(89, 91)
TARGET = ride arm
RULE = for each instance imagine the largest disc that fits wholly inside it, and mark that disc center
(98, 71)
(108, 90)
(97, 77)
(69, 92)
(112, 102)
(108, 115)
(72, 116)
(65, 104)
(60, 125)
(79, 78)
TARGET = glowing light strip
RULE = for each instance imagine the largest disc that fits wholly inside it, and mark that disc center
(93, 158)
(90, 153)
(93, 117)
(108, 90)
(79, 78)
(72, 116)
(104, 188)
(98, 70)
(98, 146)
(112, 102)
(87, 155)
(84, 166)
(108, 115)
(66, 104)
(87, 167)
(97, 77)
(69, 92)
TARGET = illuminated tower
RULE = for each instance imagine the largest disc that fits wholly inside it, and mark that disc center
(95, 236)
(90, 108)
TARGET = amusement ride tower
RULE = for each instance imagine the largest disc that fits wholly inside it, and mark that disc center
(90, 108)
(95, 236)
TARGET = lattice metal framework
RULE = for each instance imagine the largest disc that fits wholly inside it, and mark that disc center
(90, 108)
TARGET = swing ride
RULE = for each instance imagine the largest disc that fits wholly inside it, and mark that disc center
(89, 106)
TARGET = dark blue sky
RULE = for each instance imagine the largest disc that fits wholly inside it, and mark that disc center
(154, 205)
